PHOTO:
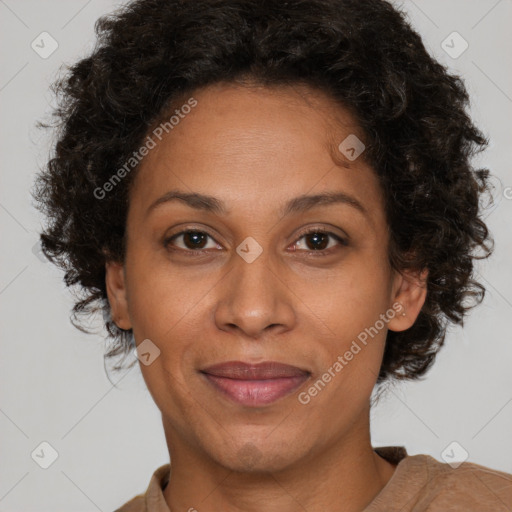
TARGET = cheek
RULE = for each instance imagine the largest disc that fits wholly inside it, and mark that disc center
(167, 306)
(350, 309)
(163, 297)
(351, 296)
(352, 356)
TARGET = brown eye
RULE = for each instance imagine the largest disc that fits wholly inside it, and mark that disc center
(191, 240)
(318, 240)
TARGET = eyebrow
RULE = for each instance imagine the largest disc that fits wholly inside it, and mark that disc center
(298, 204)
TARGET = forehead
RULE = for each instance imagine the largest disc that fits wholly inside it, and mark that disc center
(229, 115)
(255, 146)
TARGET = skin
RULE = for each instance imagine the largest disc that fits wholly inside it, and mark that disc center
(255, 148)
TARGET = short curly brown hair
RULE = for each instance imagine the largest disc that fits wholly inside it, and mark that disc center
(362, 53)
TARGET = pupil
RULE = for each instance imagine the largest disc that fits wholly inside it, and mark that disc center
(316, 237)
(194, 237)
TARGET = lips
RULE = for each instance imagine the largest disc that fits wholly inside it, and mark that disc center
(255, 384)
(261, 371)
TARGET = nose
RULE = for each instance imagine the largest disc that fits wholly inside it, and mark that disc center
(254, 299)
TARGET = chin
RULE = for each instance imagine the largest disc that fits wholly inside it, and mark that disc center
(264, 457)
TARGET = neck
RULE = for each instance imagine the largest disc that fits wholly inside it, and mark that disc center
(346, 476)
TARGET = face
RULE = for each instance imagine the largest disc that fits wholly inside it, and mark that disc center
(252, 274)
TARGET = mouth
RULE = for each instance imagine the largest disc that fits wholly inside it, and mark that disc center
(255, 385)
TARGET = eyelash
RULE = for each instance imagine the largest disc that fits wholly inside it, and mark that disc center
(200, 252)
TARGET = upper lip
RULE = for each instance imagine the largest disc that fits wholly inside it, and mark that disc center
(260, 371)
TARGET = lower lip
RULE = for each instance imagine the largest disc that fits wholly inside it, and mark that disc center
(254, 393)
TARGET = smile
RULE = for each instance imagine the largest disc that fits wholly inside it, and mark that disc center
(255, 385)
(254, 393)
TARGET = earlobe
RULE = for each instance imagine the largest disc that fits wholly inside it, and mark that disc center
(116, 292)
(409, 296)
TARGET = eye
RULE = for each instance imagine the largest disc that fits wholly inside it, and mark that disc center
(317, 241)
(196, 241)
(193, 240)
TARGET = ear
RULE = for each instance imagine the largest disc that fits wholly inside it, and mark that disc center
(409, 294)
(116, 292)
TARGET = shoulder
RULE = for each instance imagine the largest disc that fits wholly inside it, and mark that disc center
(468, 486)
(153, 499)
(136, 504)
(421, 483)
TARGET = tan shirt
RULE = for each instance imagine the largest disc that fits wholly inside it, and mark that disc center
(420, 483)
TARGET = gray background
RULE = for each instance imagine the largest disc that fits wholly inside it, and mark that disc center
(110, 440)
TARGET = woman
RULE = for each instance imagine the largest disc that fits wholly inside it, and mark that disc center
(273, 202)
